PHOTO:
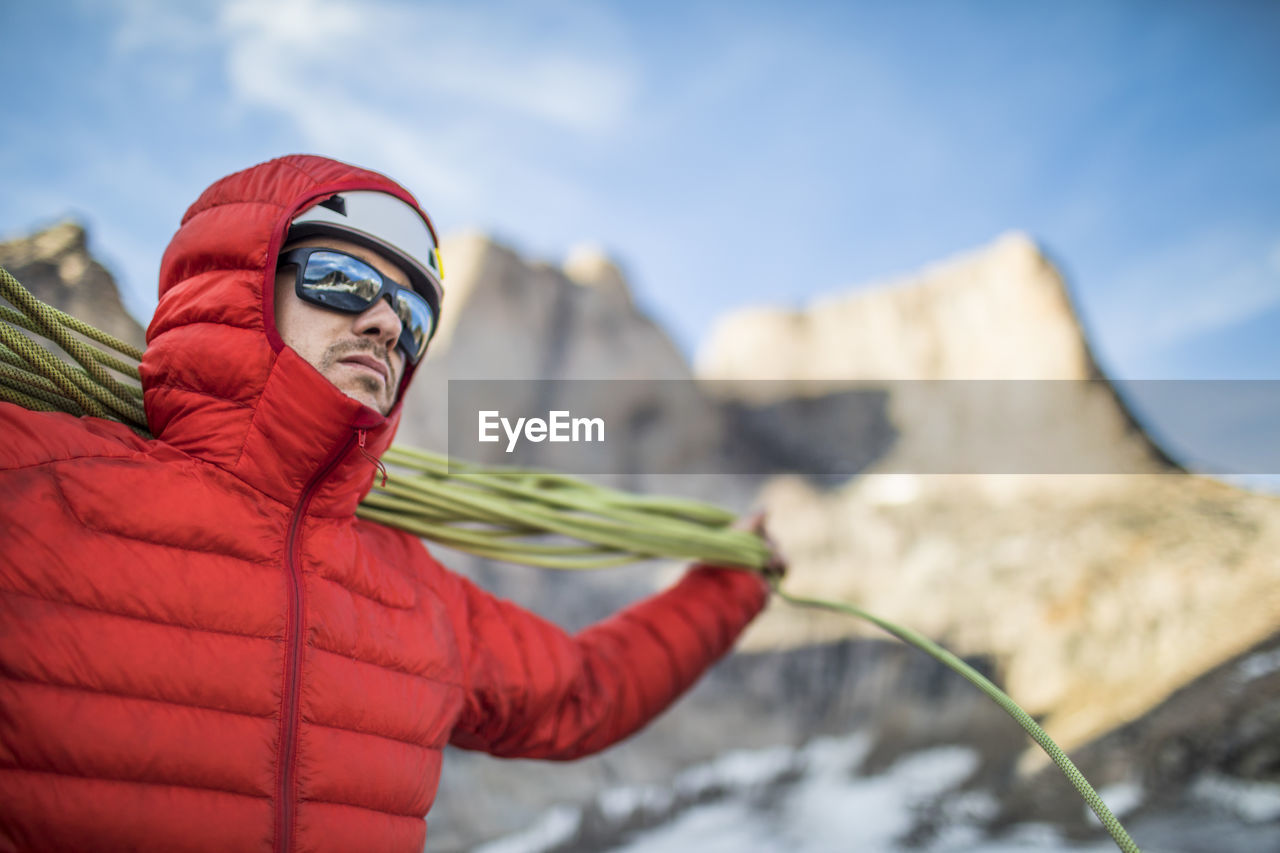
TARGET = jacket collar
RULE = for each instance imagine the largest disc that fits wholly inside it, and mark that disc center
(302, 439)
(219, 383)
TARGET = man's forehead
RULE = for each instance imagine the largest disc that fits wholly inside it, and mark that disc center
(379, 261)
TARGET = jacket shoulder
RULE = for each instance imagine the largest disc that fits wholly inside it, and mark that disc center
(36, 438)
(413, 557)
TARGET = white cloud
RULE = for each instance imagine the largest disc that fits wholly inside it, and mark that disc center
(1204, 284)
(145, 25)
(441, 98)
(383, 52)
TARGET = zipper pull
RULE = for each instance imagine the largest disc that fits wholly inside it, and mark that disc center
(362, 435)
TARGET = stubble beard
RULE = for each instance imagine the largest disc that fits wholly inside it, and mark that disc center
(336, 352)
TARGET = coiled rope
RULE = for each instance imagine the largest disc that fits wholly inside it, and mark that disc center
(502, 514)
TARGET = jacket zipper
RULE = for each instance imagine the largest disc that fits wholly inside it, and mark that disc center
(290, 711)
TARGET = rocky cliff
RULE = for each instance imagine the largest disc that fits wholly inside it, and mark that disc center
(1097, 594)
(55, 264)
(999, 312)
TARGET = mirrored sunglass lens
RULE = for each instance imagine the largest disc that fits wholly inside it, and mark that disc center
(333, 274)
(416, 321)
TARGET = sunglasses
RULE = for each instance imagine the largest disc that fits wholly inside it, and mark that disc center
(339, 282)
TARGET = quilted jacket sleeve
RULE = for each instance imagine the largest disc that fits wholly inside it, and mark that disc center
(536, 692)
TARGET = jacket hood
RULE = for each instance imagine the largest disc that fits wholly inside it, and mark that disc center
(219, 383)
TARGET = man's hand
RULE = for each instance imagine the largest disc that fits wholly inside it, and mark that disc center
(776, 568)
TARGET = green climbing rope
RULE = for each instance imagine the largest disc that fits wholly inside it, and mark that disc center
(502, 514)
(1118, 833)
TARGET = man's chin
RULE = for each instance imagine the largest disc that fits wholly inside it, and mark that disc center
(367, 397)
(363, 388)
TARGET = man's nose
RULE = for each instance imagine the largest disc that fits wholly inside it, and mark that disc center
(380, 323)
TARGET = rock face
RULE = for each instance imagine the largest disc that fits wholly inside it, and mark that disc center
(1097, 594)
(1001, 312)
(55, 265)
(1091, 598)
(505, 318)
(1200, 772)
(508, 318)
(982, 360)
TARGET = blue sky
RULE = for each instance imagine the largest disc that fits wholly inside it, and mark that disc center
(728, 153)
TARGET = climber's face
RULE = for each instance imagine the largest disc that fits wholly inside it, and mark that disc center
(357, 352)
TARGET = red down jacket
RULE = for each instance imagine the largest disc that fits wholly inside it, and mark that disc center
(201, 648)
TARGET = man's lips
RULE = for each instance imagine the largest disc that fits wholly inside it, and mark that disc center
(370, 362)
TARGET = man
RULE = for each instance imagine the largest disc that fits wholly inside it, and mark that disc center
(201, 648)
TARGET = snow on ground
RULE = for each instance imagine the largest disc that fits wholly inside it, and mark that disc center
(809, 800)
(832, 809)
(556, 827)
(1251, 802)
(1259, 664)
